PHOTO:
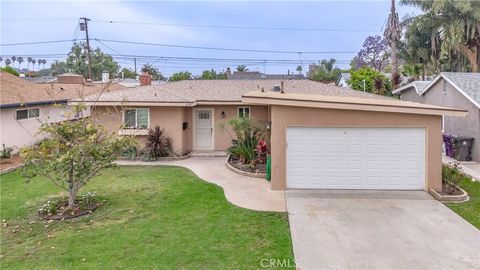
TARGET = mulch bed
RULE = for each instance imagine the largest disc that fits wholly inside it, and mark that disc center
(260, 168)
(68, 215)
(6, 164)
(448, 189)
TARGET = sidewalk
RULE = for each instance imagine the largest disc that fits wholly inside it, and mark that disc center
(468, 167)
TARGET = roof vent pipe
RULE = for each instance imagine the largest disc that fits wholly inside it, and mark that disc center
(282, 87)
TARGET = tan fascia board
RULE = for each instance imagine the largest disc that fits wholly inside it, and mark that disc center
(133, 103)
(352, 106)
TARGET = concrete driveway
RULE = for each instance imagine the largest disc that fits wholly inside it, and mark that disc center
(379, 230)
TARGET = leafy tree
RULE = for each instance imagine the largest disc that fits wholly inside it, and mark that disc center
(325, 71)
(127, 73)
(242, 68)
(77, 61)
(10, 70)
(180, 76)
(374, 54)
(156, 74)
(20, 61)
(375, 82)
(72, 153)
(213, 75)
(299, 69)
(1, 59)
(58, 67)
(454, 27)
(8, 62)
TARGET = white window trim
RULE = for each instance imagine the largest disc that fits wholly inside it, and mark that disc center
(28, 113)
(244, 107)
(136, 124)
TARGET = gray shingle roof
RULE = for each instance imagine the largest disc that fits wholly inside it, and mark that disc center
(468, 82)
(221, 90)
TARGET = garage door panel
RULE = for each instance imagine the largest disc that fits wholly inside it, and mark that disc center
(355, 158)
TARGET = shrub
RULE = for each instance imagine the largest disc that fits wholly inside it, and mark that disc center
(6, 152)
(451, 176)
(130, 153)
(158, 144)
(10, 70)
(248, 134)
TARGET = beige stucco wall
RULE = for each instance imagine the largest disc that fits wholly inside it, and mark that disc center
(20, 133)
(223, 132)
(169, 118)
(465, 126)
(172, 119)
(284, 116)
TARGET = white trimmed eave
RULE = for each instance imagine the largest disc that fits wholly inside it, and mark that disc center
(454, 86)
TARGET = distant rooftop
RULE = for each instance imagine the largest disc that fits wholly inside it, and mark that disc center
(255, 75)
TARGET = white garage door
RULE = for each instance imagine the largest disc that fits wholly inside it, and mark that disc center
(356, 158)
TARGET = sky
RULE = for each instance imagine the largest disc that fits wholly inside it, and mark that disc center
(330, 29)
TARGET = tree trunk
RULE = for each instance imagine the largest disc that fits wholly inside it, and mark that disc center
(471, 55)
(72, 193)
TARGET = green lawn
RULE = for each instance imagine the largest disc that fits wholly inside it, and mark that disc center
(470, 210)
(153, 218)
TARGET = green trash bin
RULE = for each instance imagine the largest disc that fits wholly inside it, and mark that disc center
(269, 168)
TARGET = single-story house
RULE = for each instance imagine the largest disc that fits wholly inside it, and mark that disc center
(322, 136)
(256, 75)
(455, 90)
(342, 80)
(25, 106)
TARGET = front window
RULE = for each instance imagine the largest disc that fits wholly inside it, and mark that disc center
(244, 112)
(27, 113)
(136, 118)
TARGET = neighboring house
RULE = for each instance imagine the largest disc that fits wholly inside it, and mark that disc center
(255, 75)
(127, 82)
(41, 79)
(24, 106)
(322, 136)
(343, 79)
(456, 90)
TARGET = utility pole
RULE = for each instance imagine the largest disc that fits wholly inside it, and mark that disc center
(135, 65)
(85, 26)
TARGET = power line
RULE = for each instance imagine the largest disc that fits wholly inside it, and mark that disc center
(238, 27)
(39, 42)
(218, 48)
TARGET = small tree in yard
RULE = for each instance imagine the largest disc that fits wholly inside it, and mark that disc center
(72, 153)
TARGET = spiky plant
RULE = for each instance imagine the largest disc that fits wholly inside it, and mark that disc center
(158, 143)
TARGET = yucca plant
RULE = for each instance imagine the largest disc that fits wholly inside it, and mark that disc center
(158, 143)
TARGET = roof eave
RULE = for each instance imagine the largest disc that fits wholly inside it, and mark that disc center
(353, 106)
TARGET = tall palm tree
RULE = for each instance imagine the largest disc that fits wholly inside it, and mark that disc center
(242, 68)
(20, 61)
(14, 58)
(29, 60)
(299, 69)
(392, 35)
(33, 64)
(8, 62)
(1, 59)
(39, 61)
(44, 61)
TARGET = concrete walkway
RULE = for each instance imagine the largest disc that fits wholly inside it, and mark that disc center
(468, 167)
(378, 230)
(243, 191)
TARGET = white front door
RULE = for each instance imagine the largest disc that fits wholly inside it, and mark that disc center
(204, 129)
(356, 158)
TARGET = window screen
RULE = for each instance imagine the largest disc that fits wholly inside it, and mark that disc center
(130, 118)
(22, 114)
